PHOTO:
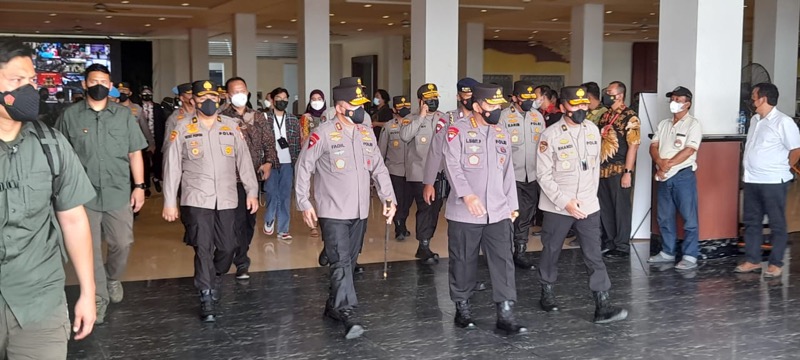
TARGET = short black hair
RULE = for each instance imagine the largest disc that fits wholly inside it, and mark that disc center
(551, 95)
(10, 49)
(277, 91)
(384, 95)
(768, 90)
(592, 89)
(96, 67)
(622, 87)
(235, 78)
(542, 88)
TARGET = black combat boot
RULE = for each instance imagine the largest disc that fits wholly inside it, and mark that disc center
(323, 258)
(352, 327)
(548, 300)
(358, 269)
(505, 319)
(521, 259)
(604, 312)
(207, 313)
(399, 230)
(425, 254)
(330, 312)
(464, 316)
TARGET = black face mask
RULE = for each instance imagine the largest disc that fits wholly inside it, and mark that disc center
(281, 105)
(467, 104)
(21, 104)
(492, 117)
(357, 115)
(526, 105)
(433, 104)
(123, 98)
(208, 107)
(147, 98)
(608, 100)
(403, 112)
(98, 92)
(577, 116)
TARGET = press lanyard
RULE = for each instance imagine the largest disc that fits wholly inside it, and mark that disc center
(280, 124)
(584, 164)
(605, 128)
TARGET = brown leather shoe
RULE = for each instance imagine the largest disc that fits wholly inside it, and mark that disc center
(747, 267)
(314, 232)
(773, 272)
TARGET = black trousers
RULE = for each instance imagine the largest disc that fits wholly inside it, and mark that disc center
(427, 215)
(157, 165)
(616, 213)
(528, 196)
(464, 244)
(245, 228)
(211, 233)
(761, 199)
(148, 163)
(402, 191)
(554, 231)
(343, 240)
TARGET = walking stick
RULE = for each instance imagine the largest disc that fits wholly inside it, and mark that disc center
(386, 244)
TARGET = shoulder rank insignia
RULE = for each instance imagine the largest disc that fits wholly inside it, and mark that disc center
(338, 126)
(451, 118)
(473, 122)
(563, 127)
(452, 133)
(312, 140)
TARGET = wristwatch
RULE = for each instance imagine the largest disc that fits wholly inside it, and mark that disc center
(140, 186)
(628, 171)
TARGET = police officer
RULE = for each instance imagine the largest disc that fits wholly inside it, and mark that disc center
(342, 155)
(186, 111)
(524, 125)
(568, 166)
(481, 208)
(204, 156)
(330, 113)
(36, 226)
(125, 95)
(418, 133)
(393, 150)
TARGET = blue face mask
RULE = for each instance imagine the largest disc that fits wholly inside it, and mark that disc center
(376, 101)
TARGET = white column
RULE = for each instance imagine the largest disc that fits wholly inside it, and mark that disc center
(169, 67)
(393, 63)
(198, 54)
(470, 51)
(244, 52)
(434, 48)
(586, 45)
(337, 58)
(313, 49)
(775, 40)
(699, 47)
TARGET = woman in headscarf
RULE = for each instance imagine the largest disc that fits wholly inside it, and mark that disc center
(314, 110)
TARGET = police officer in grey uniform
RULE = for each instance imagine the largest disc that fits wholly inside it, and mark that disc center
(524, 125)
(481, 208)
(330, 113)
(186, 111)
(204, 156)
(568, 166)
(342, 155)
(418, 133)
(393, 150)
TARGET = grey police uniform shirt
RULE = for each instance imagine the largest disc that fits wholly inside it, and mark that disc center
(172, 122)
(205, 162)
(341, 163)
(434, 164)
(524, 129)
(479, 162)
(563, 151)
(393, 148)
(418, 134)
(330, 113)
(138, 113)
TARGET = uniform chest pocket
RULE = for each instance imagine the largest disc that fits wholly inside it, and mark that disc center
(36, 192)
(79, 138)
(339, 161)
(474, 156)
(194, 149)
(517, 138)
(565, 160)
(369, 159)
(227, 146)
(118, 141)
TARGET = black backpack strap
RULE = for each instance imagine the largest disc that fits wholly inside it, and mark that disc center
(47, 137)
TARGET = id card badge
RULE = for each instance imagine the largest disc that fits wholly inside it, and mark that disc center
(283, 143)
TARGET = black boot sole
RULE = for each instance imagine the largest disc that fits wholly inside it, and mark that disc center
(549, 308)
(622, 315)
(466, 326)
(208, 318)
(354, 332)
(511, 330)
(480, 286)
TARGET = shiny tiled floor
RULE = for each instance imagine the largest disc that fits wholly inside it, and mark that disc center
(709, 313)
(159, 253)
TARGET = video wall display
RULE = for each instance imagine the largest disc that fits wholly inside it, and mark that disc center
(60, 65)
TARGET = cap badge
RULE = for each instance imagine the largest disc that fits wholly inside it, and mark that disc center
(580, 93)
(207, 85)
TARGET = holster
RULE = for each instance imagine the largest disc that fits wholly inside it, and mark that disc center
(441, 186)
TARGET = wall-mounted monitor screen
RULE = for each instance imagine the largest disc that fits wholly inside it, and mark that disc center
(60, 65)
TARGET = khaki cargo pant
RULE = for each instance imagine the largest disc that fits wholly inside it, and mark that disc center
(43, 340)
(116, 229)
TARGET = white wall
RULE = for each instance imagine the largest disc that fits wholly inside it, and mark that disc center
(270, 72)
(617, 63)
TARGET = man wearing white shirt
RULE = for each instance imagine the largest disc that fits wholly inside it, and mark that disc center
(773, 144)
(674, 150)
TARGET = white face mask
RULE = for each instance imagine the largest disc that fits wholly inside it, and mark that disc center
(317, 105)
(239, 100)
(537, 103)
(675, 107)
(267, 104)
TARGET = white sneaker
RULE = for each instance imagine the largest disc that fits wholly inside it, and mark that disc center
(687, 263)
(269, 228)
(284, 236)
(661, 257)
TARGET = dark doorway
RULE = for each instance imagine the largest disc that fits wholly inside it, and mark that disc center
(366, 67)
